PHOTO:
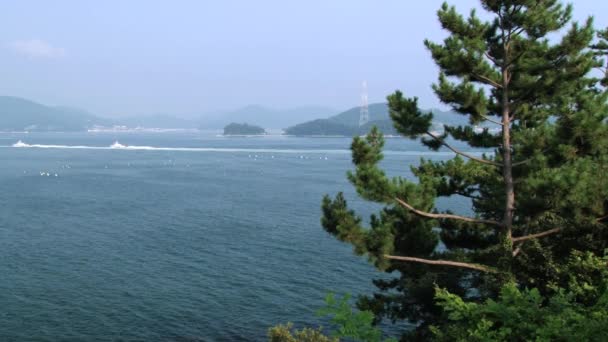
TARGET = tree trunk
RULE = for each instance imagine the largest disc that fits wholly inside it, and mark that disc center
(507, 170)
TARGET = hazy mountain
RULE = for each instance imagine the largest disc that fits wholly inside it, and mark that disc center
(267, 117)
(17, 114)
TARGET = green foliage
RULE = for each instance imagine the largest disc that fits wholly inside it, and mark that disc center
(544, 171)
(350, 324)
(525, 315)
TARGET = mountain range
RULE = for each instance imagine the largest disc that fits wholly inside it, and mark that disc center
(18, 114)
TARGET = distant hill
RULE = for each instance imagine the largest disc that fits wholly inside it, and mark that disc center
(243, 129)
(17, 114)
(267, 117)
(347, 122)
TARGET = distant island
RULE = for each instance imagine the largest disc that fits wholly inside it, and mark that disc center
(347, 122)
(328, 127)
(243, 129)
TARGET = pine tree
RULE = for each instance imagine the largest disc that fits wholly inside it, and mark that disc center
(537, 197)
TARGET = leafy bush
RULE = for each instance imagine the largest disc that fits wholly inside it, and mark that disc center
(577, 313)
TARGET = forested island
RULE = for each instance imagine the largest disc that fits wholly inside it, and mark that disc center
(347, 123)
(243, 129)
(328, 127)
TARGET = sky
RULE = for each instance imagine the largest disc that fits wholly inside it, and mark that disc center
(189, 58)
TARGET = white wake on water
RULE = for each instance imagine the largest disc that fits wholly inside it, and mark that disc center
(21, 144)
(118, 146)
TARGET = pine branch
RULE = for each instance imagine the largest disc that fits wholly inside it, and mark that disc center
(522, 239)
(491, 120)
(537, 235)
(466, 195)
(512, 61)
(443, 263)
(489, 162)
(518, 249)
(525, 161)
(490, 58)
(487, 81)
(517, 32)
(445, 216)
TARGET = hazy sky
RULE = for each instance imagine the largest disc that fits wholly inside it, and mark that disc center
(116, 57)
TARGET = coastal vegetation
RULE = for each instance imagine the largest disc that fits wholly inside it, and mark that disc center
(528, 260)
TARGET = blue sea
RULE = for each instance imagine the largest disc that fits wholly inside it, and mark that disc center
(182, 236)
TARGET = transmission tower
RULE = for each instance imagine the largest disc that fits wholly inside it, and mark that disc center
(364, 111)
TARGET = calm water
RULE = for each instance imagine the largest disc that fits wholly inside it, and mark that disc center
(210, 238)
